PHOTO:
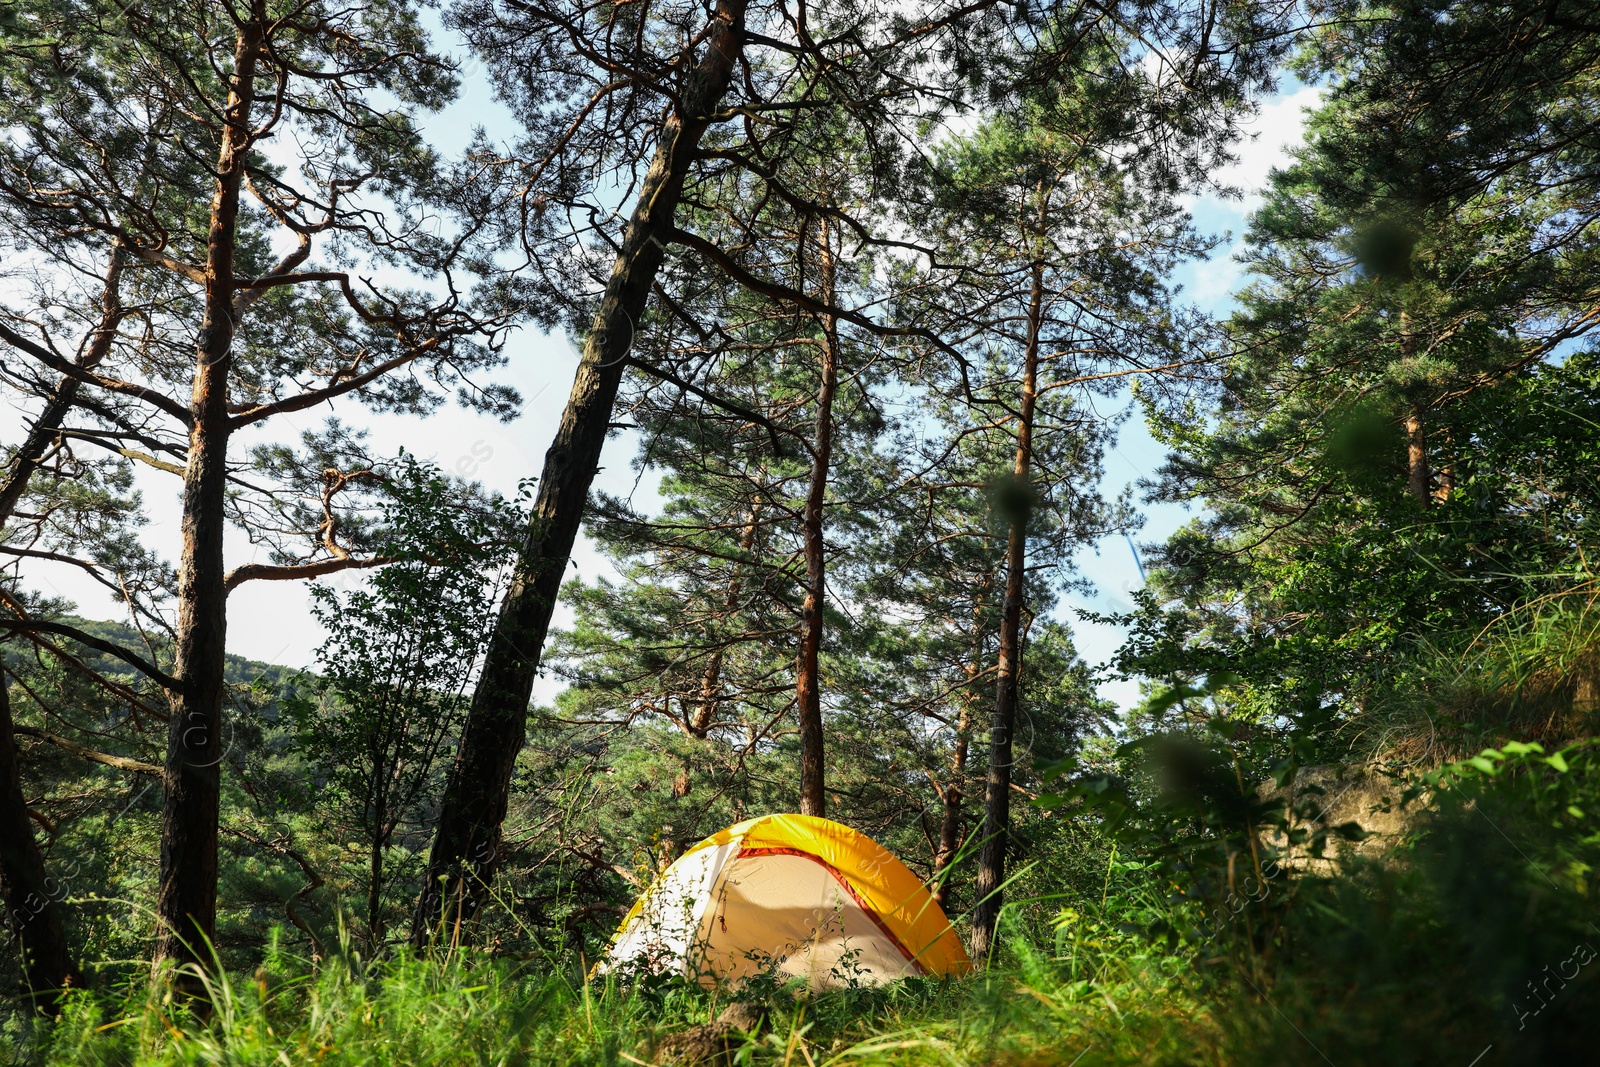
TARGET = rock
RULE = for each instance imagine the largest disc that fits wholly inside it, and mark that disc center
(713, 1042)
(1337, 795)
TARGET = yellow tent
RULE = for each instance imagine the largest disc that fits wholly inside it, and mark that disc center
(798, 895)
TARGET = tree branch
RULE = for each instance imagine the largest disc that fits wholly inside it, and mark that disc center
(121, 763)
(253, 572)
(317, 396)
(71, 370)
(809, 303)
(729, 406)
(314, 880)
(88, 640)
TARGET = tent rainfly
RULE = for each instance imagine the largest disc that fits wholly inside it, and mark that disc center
(794, 895)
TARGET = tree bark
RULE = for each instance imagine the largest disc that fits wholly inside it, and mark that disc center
(954, 793)
(1447, 485)
(997, 788)
(808, 688)
(379, 813)
(375, 896)
(32, 899)
(186, 902)
(467, 838)
(1442, 469)
(1419, 479)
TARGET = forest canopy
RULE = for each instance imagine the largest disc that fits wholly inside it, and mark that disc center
(865, 301)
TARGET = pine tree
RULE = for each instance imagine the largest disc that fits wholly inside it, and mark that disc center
(136, 141)
(1058, 243)
(877, 76)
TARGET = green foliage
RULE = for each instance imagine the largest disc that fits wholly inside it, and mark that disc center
(376, 724)
(1393, 441)
(1476, 936)
(1478, 933)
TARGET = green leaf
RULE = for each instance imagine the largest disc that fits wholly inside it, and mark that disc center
(1056, 768)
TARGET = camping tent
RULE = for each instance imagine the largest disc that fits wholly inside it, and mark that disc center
(794, 895)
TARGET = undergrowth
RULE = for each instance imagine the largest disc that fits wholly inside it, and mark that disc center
(1471, 943)
(1038, 1008)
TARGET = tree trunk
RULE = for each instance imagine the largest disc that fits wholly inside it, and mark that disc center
(1419, 479)
(378, 809)
(997, 788)
(375, 895)
(186, 902)
(808, 689)
(1446, 470)
(955, 791)
(32, 900)
(1446, 486)
(705, 713)
(466, 843)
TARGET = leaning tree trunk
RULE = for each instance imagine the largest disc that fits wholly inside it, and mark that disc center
(186, 901)
(32, 900)
(997, 789)
(466, 843)
(808, 689)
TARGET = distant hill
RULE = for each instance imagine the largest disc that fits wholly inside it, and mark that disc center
(238, 671)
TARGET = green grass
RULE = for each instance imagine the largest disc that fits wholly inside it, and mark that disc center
(1039, 1008)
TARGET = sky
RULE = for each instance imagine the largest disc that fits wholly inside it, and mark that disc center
(271, 621)
(1111, 563)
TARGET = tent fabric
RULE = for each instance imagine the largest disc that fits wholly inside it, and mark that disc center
(793, 895)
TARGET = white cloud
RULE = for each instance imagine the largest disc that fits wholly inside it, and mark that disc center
(1214, 281)
(1276, 129)
(1269, 137)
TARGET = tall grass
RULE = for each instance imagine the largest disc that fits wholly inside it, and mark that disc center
(1473, 945)
(1096, 995)
(1530, 673)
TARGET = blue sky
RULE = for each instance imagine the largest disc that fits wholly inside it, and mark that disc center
(1209, 285)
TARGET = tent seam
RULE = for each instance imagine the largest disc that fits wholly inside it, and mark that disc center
(838, 876)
